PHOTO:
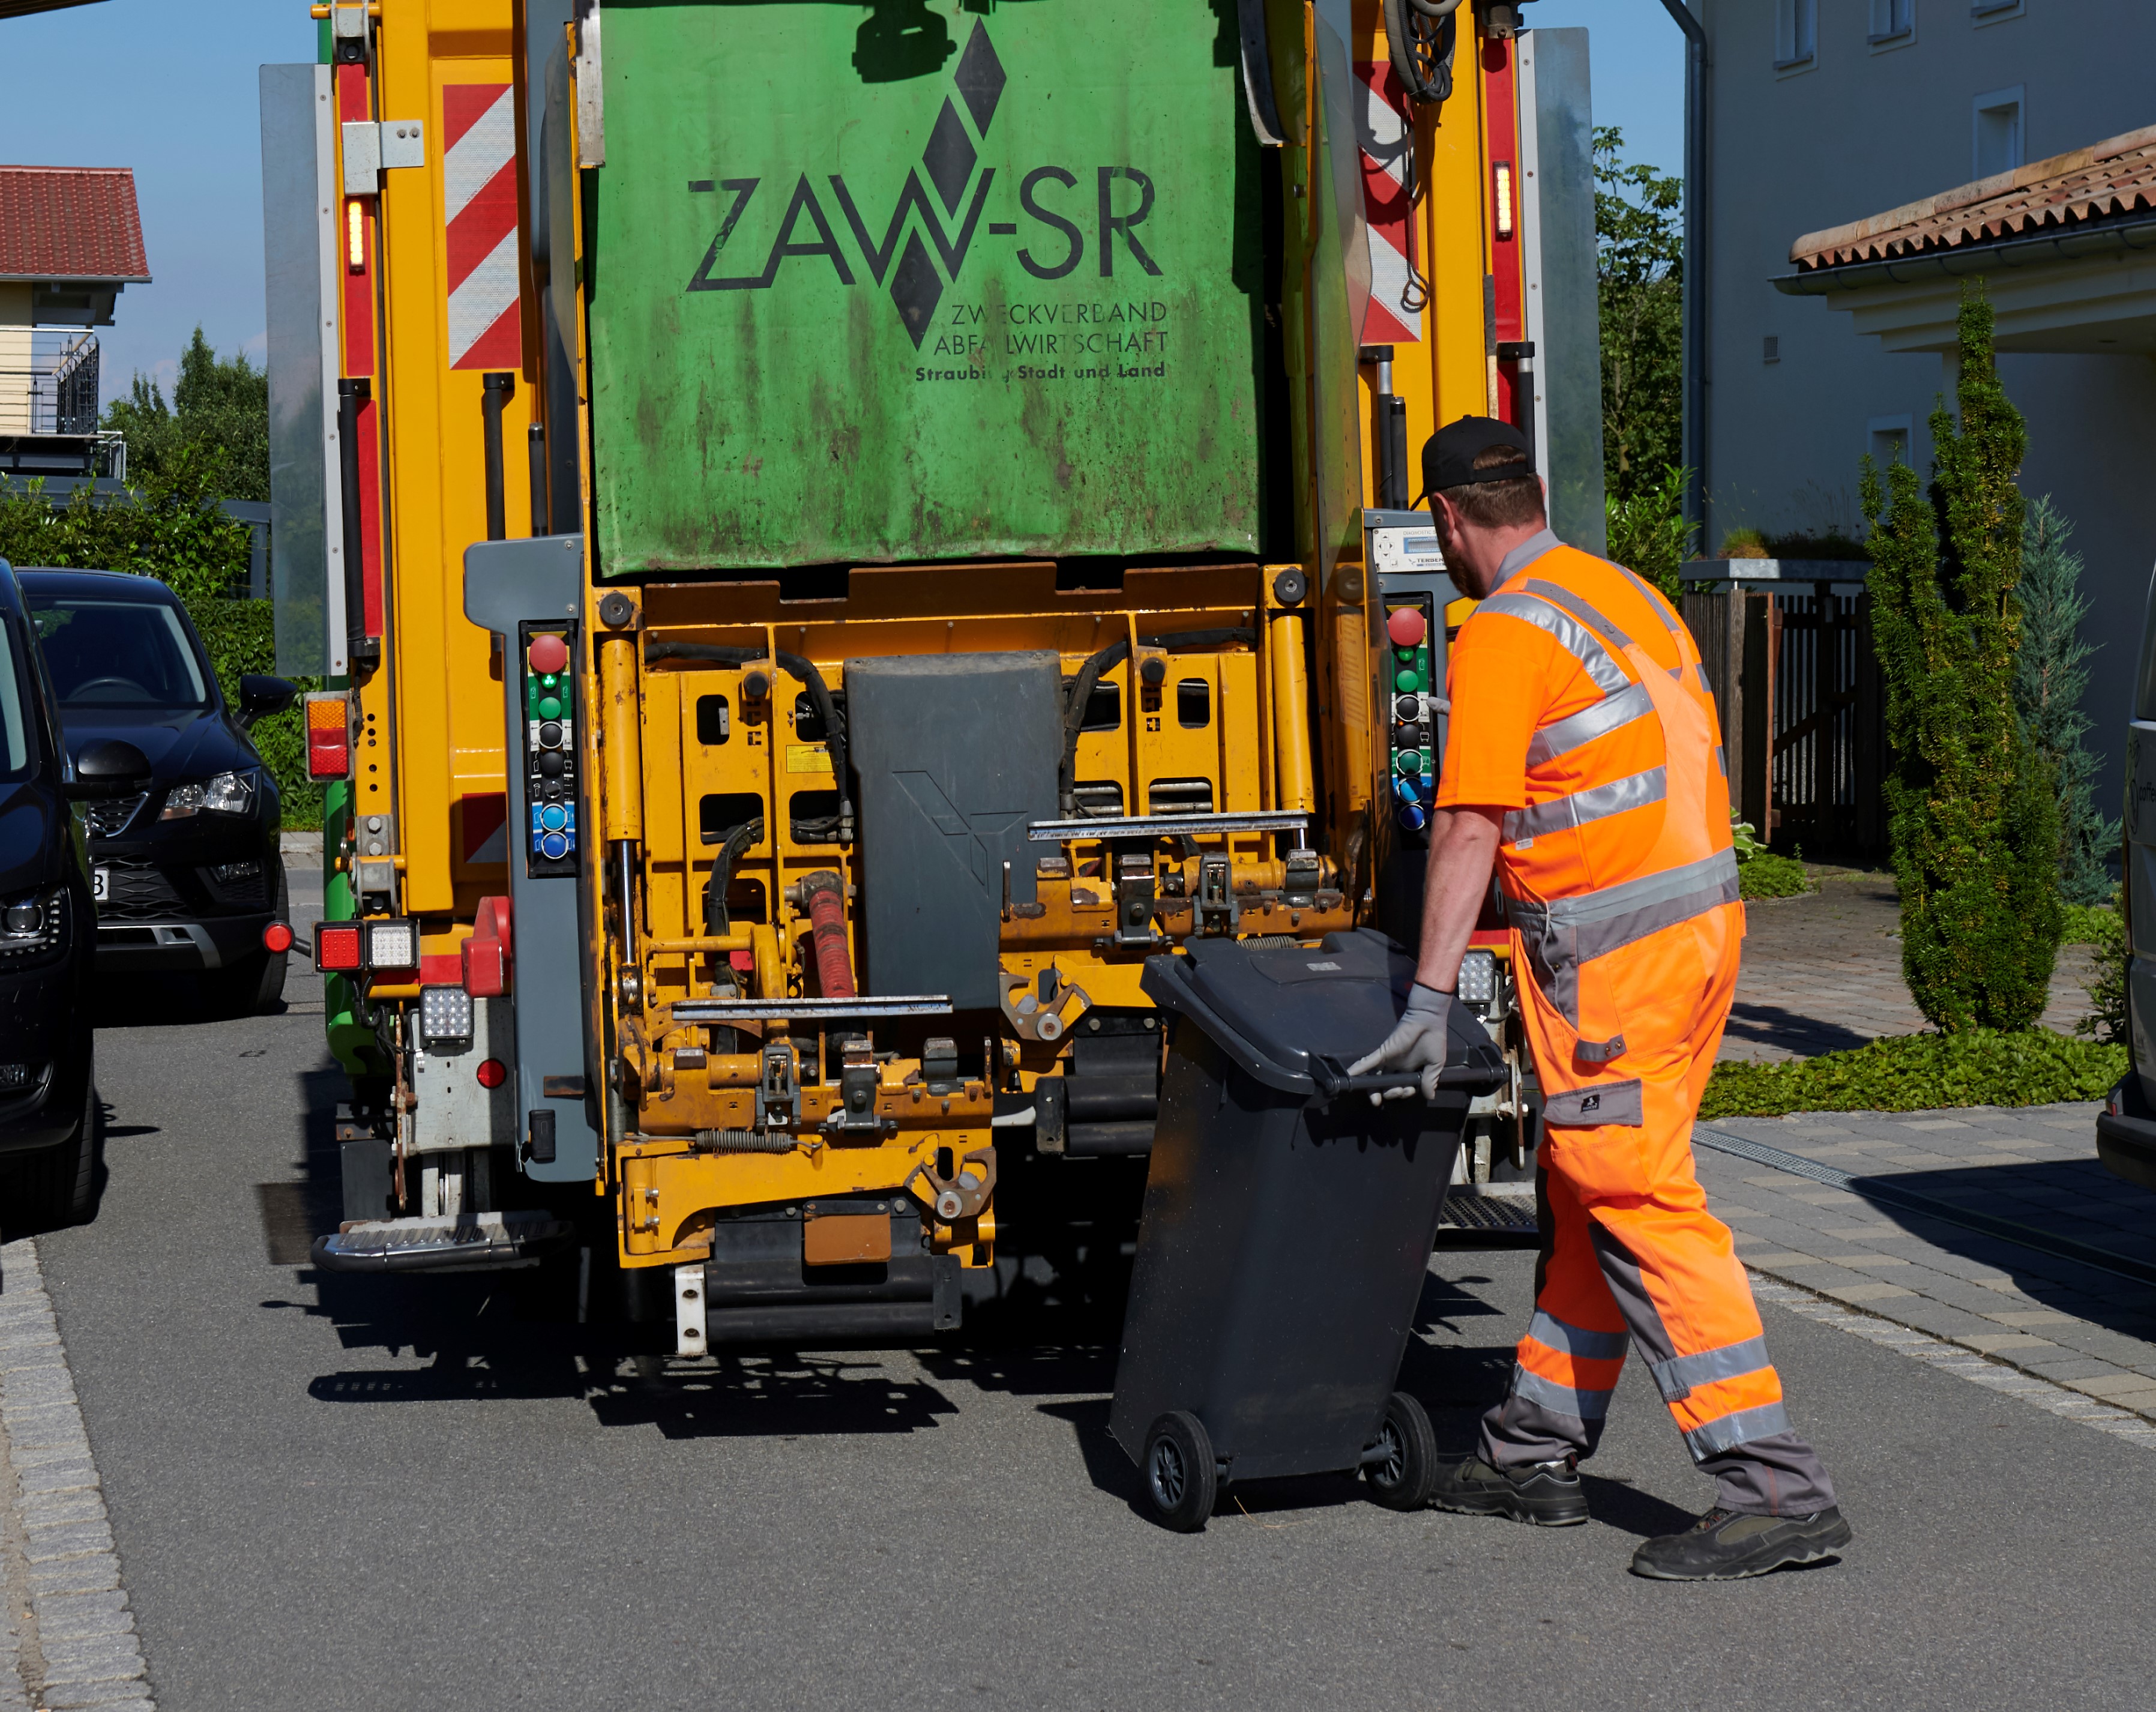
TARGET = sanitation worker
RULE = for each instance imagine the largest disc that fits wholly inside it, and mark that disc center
(1583, 762)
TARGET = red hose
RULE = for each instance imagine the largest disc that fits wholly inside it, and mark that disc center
(827, 918)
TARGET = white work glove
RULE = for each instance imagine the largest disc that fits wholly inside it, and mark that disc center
(1418, 1043)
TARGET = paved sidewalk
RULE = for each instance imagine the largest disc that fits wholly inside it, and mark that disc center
(2092, 1330)
(1823, 973)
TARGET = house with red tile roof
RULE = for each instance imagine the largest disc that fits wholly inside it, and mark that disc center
(71, 242)
(1866, 158)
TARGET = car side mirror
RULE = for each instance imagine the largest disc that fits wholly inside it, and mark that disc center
(261, 695)
(111, 768)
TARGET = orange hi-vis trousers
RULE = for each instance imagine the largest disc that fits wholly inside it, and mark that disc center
(1630, 1254)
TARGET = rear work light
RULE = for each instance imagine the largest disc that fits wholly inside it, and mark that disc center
(393, 944)
(329, 738)
(338, 947)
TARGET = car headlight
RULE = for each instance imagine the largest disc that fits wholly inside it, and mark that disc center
(33, 927)
(227, 793)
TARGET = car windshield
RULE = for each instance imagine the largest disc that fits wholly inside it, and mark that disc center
(14, 707)
(118, 654)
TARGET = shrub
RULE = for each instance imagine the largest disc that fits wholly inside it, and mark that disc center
(2051, 676)
(1971, 814)
(1823, 543)
(1978, 1066)
(1770, 875)
(1648, 531)
(2107, 1020)
(1744, 543)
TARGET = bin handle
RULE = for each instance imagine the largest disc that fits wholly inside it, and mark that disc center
(1334, 1082)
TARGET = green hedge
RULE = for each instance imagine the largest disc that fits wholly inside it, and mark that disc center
(1979, 1067)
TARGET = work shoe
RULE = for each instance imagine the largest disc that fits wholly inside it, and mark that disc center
(1549, 1495)
(1725, 1546)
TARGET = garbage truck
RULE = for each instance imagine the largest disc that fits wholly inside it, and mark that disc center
(833, 533)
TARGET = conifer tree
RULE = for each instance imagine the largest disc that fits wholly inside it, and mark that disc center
(1973, 822)
(2050, 676)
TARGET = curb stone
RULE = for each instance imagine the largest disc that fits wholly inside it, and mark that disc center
(67, 1637)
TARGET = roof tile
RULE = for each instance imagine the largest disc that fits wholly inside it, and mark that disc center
(70, 223)
(2116, 176)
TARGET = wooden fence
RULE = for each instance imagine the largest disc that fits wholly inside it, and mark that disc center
(1803, 710)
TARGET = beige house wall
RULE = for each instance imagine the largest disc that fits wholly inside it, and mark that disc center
(14, 358)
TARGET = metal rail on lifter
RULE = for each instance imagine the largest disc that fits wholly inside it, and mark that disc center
(809, 1009)
(1295, 820)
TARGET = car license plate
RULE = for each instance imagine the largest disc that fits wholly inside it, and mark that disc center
(101, 885)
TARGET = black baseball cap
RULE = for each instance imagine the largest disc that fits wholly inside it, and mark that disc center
(1449, 456)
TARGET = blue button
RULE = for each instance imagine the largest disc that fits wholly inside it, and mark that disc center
(553, 846)
(552, 817)
(1411, 816)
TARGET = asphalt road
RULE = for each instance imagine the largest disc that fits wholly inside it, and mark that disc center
(337, 1493)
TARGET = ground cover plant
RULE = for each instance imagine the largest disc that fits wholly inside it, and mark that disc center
(1921, 1072)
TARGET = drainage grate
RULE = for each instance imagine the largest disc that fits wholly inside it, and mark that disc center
(1514, 1214)
(1891, 1194)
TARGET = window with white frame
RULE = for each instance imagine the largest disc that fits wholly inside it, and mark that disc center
(1890, 441)
(1892, 22)
(1997, 132)
(1796, 33)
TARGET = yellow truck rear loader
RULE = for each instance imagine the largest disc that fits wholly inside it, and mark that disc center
(834, 534)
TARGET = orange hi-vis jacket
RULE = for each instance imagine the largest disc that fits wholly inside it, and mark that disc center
(1617, 824)
(1580, 708)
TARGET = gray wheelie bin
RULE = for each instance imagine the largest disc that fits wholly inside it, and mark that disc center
(1288, 1223)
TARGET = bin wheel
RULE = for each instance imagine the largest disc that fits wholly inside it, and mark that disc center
(1181, 1478)
(1403, 1465)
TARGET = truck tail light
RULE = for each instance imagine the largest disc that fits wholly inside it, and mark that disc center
(329, 738)
(277, 937)
(337, 947)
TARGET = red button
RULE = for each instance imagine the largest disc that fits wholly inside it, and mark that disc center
(1405, 626)
(549, 652)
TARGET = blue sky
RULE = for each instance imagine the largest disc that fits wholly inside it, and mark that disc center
(169, 89)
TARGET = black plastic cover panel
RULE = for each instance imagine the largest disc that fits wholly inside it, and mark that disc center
(956, 754)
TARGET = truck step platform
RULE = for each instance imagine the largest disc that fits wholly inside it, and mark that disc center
(470, 1242)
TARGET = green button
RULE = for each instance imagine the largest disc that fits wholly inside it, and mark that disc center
(1405, 655)
(550, 707)
(1409, 681)
(1410, 762)
(547, 679)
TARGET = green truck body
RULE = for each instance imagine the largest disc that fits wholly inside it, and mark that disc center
(949, 282)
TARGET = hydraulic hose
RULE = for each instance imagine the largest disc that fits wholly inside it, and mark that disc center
(1421, 35)
(820, 695)
(827, 919)
(1089, 677)
(739, 840)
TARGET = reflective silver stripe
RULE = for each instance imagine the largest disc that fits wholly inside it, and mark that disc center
(1733, 1430)
(1572, 636)
(1591, 616)
(1722, 760)
(1549, 1329)
(1561, 736)
(1705, 688)
(1636, 790)
(1561, 935)
(1677, 1375)
(1617, 904)
(1562, 1399)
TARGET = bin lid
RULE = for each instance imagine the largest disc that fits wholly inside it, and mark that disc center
(1276, 1009)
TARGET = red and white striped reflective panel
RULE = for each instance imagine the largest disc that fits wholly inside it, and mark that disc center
(1387, 136)
(479, 194)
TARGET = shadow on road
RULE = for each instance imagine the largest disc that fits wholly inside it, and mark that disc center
(1792, 1030)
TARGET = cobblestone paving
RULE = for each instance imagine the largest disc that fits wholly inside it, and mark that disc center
(2075, 1325)
(1823, 972)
